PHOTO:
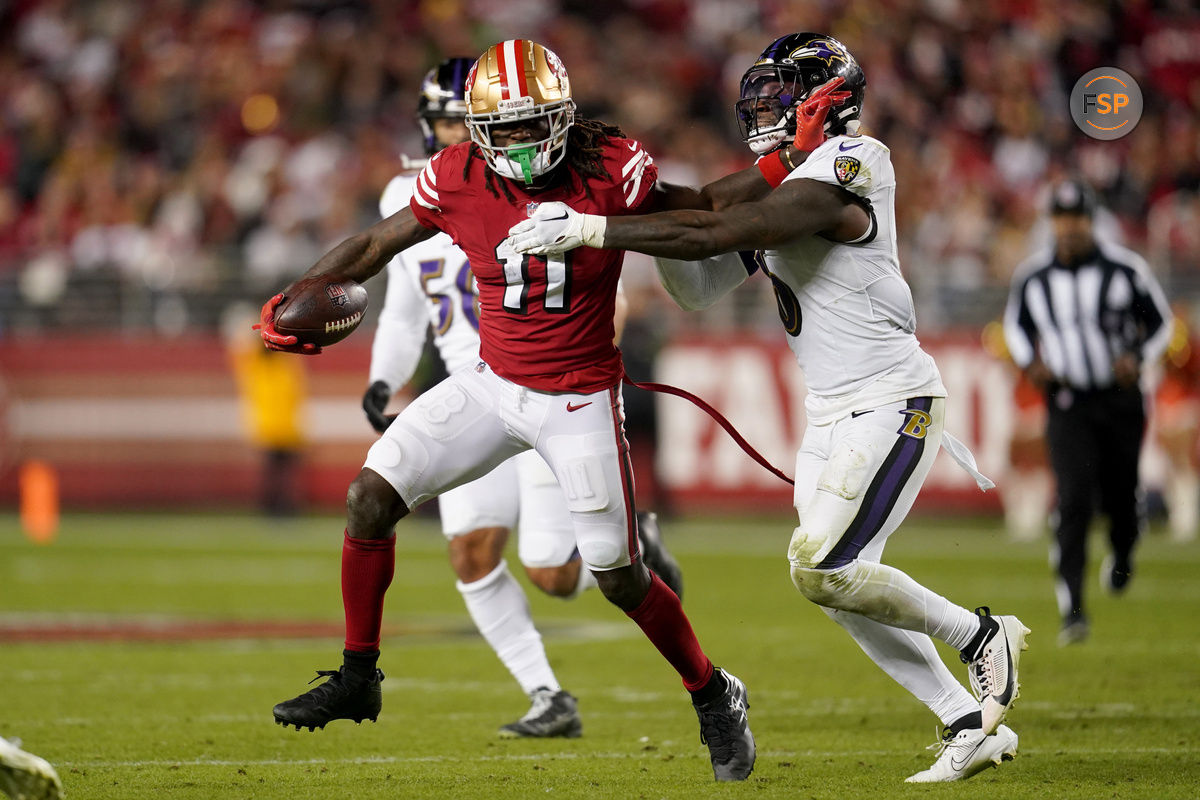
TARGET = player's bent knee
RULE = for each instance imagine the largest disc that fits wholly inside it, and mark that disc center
(624, 587)
(821, 586)
(559, 581)
(401, 458)
(475, 555)
(373, 507)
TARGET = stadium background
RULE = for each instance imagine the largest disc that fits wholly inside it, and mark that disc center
(164, 167)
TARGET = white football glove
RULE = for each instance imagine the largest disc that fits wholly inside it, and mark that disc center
(555, 228)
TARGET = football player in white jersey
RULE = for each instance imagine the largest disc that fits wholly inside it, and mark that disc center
(430, 287)
(826, 239)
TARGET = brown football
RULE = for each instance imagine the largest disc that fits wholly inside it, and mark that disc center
(321, 312)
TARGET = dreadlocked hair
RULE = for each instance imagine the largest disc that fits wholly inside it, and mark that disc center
(584, 160)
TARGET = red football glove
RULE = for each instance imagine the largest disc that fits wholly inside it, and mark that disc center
(275, 340)
(810, 115)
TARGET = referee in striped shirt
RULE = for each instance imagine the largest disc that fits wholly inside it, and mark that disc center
(1081, 321)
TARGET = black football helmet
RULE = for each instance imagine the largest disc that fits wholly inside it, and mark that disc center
(784, 75)
(443, 96)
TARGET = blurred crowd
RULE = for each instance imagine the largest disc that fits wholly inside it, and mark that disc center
(160, 159)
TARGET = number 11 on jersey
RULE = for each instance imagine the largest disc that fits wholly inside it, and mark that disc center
(517, 280)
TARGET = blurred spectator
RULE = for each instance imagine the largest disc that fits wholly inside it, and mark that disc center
(273, 392)
(1027, 489)
(1177, 427)
(167, 157)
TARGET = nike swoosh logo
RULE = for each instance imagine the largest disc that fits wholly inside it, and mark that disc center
(573, 407)
(842, 146)
(960, 765)
(1006, 696)
(632, 146)
(856, 414)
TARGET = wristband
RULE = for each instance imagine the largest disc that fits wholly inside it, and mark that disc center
(591, 230)
(772, 169)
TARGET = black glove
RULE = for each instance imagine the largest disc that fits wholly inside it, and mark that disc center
(374, 402)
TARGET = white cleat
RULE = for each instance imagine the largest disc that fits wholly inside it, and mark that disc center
(993, 675)
(968, 753)
(24, 776)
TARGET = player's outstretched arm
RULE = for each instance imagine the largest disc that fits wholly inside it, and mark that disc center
(356, 259)
(799, 208)
(743, 186)
(364, 254)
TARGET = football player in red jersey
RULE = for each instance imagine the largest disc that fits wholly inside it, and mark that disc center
(548, 379)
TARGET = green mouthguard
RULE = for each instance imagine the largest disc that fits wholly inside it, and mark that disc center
(524, 156)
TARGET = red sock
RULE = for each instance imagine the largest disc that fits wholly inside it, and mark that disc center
(661, 618)
(367, 569)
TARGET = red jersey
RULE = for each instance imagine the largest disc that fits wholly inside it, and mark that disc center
(546, 322)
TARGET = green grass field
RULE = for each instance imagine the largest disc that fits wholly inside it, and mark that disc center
(190, 718)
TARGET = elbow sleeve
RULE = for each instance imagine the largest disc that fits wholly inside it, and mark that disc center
(696, 285)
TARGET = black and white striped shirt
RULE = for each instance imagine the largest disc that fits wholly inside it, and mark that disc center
(1079, 318)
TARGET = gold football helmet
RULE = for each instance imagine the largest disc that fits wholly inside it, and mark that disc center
(514, 81)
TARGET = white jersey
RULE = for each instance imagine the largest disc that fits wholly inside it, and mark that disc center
(429, 286)
(847, 310)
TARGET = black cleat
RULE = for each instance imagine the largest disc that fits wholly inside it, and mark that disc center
(551, 714)
(343, 696)
(1115, 575)
(655, 553)
(725, 728)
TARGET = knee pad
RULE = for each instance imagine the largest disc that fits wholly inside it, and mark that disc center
(807, 547)
(815, 538)
(601, 546)
(834, 503)
(401, 458)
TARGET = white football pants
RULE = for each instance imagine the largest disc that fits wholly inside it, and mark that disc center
(856, 480)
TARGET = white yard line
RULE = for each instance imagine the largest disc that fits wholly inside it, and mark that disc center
(631, 754)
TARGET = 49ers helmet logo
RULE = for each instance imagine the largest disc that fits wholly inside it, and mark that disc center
(555, 65)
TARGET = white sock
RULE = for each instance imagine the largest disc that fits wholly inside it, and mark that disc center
(912, 660)
(887, 595)
(500, 610)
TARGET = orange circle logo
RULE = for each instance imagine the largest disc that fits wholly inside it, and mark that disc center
(1106, 103)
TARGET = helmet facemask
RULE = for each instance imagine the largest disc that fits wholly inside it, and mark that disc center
(766, 112)
(443, 96)
(524, 161)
